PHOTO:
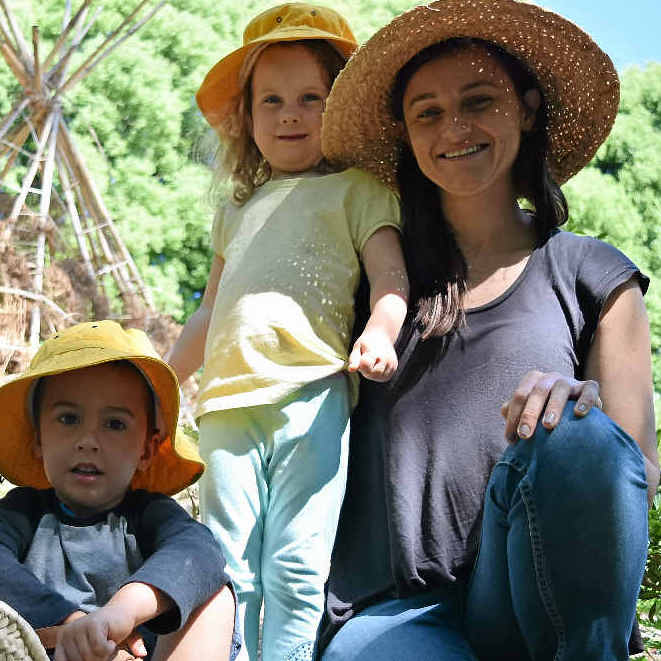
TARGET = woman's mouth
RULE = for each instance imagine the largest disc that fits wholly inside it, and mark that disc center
(468, 151)
(296, 136)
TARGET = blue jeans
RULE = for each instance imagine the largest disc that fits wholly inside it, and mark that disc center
(271, 495)
(562, 554)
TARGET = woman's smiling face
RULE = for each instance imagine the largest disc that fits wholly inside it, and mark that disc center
(464, 120)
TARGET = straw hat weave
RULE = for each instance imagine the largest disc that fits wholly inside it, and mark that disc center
(577, 79)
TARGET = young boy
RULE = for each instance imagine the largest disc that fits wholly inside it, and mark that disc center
(90, 547)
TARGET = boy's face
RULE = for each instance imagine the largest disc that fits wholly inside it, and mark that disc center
(93, 434)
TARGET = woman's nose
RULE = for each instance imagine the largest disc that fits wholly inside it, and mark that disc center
(457, 128)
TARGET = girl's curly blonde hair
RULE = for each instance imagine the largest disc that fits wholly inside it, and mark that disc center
(238, 157)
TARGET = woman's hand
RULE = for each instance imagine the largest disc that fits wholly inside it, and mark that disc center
(544, 395)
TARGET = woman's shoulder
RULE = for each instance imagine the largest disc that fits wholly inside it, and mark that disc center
(595, 263)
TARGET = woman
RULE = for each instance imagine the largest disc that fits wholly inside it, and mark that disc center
(467, 107)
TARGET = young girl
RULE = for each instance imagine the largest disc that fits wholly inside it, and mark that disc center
(277, 316)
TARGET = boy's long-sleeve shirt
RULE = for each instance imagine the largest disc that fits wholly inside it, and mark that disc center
(52, 563)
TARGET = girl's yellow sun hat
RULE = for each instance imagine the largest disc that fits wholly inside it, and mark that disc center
(176, 462)
(293, 21)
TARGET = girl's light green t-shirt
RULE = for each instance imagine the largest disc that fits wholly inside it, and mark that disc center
(284, 311)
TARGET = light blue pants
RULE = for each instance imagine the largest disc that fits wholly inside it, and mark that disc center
(271, 495)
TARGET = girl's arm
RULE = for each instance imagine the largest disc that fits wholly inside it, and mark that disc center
(187, 353)
(620, 360)
(373, 353)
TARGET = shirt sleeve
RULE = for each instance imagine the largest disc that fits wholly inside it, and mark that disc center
(370, 206)
(182, 558)
(20, 512)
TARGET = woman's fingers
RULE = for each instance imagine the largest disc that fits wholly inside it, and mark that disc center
(542, 397)
(527, 403)
(588, 397)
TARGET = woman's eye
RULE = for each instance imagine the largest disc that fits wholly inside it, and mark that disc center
(115, 424)
(428, 113)
(67, 418)
(478, 102)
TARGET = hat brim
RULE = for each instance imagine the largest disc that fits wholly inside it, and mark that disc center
(221, 86)
(175, 464)
(577, 79)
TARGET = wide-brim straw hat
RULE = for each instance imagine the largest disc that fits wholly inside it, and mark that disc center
(577, 79)
(176, 462)
(293, 21)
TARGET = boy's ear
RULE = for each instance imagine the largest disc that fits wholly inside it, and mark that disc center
(148, 451)
(36, 446)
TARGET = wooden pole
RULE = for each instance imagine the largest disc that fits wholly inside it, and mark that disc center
(37, 65)
(23, 50)
(44, 208)
(10, 117)
(32, 171)
(87, 65)
(75, 218)
(58, 70)
(15, 147)
(15, 65)
(91, 201)
(62, 38)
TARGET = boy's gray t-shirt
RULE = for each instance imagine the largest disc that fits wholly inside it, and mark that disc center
(423, 446)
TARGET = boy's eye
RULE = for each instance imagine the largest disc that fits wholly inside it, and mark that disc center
(68, 418)
(115, 424)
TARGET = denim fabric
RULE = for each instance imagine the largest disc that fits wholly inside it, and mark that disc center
(562, 554)
(271, 495)
(564, 540)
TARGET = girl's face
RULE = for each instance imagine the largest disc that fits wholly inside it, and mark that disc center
(464, 120)
(289, 89)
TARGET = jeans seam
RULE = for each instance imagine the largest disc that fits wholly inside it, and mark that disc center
(541, 572)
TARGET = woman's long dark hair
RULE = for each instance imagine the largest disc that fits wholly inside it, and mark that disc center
(436, 266)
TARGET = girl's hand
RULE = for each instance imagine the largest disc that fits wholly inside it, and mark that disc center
(373, 355)
(547, 393)
(96, 636)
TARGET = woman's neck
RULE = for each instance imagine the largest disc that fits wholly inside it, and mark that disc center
(489, 227)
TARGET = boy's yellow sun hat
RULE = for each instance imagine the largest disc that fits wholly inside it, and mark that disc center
(176, 462)
(293, 21)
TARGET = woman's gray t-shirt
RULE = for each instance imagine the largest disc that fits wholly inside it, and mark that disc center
(423, 446)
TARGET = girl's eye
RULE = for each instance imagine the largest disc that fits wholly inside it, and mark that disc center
(271, 98)
(115, 424)
(311, 98)
(477, 102)
(68, 418)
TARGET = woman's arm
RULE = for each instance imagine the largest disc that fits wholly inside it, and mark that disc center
(187, 353)
(373, 353)
(620, 360)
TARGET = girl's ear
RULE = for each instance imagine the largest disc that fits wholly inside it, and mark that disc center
(532, 100)
(148, 451)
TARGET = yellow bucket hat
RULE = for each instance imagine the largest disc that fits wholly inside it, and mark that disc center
(176, 463)
(293, 21)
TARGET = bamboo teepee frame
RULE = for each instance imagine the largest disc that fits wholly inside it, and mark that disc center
(57, 174)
